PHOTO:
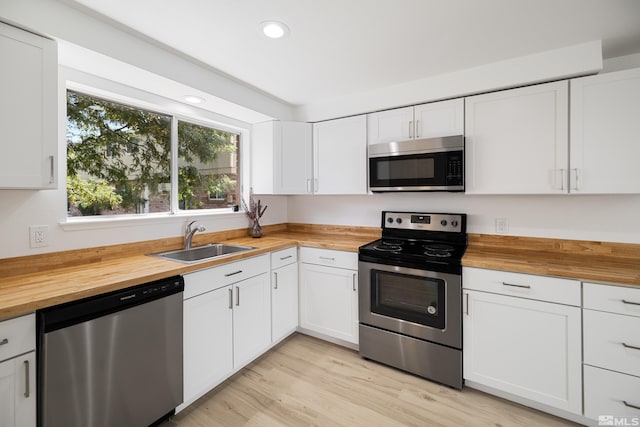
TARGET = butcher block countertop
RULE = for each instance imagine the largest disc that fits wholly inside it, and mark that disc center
(601, 262)
(34, 282)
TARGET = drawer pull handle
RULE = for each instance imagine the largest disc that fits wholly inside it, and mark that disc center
(26, 379)
(286, 257)
(4, 341)
(630, 405)
(516, 286)
(630, 302)
(233, 274)
(327, 258)
(625, 345)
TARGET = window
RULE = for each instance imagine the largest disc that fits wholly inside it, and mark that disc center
(119, 161)
(207, 165)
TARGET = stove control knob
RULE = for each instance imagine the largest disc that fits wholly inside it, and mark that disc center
(390, 220)
(399, 220)
(443, 223)
(454, 223)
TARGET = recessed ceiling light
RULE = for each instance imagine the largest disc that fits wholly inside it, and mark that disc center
(191, 99)
(274, 29)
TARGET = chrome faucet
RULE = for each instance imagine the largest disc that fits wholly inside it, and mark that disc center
(189, 232)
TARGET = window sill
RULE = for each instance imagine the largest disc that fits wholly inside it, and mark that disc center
(98, 222)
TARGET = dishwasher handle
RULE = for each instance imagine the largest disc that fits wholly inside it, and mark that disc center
(64, 315)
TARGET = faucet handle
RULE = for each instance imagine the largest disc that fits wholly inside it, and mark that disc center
(188, 228)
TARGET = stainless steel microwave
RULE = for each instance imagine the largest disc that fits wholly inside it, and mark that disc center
(435, 164)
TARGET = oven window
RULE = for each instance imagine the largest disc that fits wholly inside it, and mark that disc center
(407, 168)
(411, 298)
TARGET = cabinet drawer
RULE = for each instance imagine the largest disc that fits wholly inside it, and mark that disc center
(605, 337)
(284, 257)
(605, 393)
(17, 336)
(328, 257)
(614, 299)
(207, 280)
(541, 288)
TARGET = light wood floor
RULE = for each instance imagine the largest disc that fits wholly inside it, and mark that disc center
(308, 382)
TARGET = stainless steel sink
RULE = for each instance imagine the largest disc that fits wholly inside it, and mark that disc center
(202, 253)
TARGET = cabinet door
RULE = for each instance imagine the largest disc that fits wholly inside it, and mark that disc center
(390, 126)
(208, 343)
(528, 348)
(251, 319)
(604, 133)
(284, 301)
(293, 159)
(517, 140)
(329, 301)
(437, 119)
(340, 156)
(18, 391)
(28, 110)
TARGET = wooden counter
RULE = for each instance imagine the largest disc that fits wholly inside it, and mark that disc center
(33, 282)
(601, 262)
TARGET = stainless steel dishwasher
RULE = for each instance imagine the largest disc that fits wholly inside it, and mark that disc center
(112, 360)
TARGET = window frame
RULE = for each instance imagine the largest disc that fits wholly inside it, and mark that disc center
(75, 80)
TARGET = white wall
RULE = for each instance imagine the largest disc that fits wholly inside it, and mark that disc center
(582, 59)
(599, 218)
(61, 21)
(20, 209)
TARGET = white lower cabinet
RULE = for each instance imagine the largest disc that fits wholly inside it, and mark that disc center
(284, 293)
(521, 346)
(18, 372)
(329, 293)
(225, 327)
(18, 391)
(251, 319)
(610, 393)
(611, 333)
(207, 341)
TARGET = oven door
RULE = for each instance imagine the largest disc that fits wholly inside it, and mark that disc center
(414, 302)
(441, 171)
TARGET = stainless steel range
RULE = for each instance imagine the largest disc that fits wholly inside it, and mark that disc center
(410, 295)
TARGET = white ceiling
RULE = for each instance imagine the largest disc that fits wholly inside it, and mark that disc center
(342, 47)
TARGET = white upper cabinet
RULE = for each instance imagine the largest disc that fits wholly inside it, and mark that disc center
(281, 158)
(444, 118)
(298, 158)
(28, 110)
(605, 133)
(516, 141)
(390, 126)
(340, 156)
(437, 119)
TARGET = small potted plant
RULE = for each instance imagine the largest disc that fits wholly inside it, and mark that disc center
(254, 211)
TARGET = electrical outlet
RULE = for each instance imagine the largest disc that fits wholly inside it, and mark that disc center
(38, 236)
(502, 226)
